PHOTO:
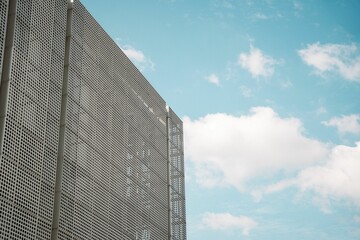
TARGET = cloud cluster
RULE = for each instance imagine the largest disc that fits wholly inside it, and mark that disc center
(338, 178)
(345, 124)
(231, 150)
(257, 63)
(333, 58)
(227, 221)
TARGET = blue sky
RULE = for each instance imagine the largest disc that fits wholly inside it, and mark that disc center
(269, 95)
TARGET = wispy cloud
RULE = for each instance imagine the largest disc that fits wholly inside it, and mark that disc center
(214, 79)
(333, 58)
(297, 6)
(134, 54)
(260, 16)
(227, 221)
(223, 4)
(257, 63)
(345, 124)
(246, 92)
(321, 110)
(141, 61)
(138, 58)
(286, 84)
(232, 150)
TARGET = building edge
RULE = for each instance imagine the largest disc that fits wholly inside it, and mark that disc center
(6, 68)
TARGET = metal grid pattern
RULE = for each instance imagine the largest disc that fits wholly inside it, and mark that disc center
(115, 173)
(114, 182)
(3, 20)
(28, 157)
(177, 190)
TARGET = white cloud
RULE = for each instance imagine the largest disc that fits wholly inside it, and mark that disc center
(137, 57)
(345, 124)
(234, 151)
(279, 186)
(337, 179)
(333, 58)
(134, 54)
(214, 79)
(227, 221)
(231, 150)
(257, 63)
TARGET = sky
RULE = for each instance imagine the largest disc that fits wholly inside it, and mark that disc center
(268, 92)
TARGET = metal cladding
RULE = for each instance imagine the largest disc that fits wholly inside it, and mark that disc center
(3, 17)
(89, 149)
(177, 191)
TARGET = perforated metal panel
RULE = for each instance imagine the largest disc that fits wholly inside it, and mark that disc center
(177, 192)
(3, 20)
(28, 158)
(115, 173)
(114, 177)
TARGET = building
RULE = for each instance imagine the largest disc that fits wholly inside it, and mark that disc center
(89, 150)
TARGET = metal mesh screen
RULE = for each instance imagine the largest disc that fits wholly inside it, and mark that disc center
(3, 20)
(114, 182)
(28, 157)
(177, 192)
(115, 174)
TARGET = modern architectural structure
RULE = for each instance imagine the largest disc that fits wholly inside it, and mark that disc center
(88, 148)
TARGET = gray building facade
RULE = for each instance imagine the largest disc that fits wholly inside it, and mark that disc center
(89, 149)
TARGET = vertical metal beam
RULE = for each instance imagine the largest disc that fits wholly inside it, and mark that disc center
(168, 145)
(61, 143)
(6, 71)
(2, 45)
